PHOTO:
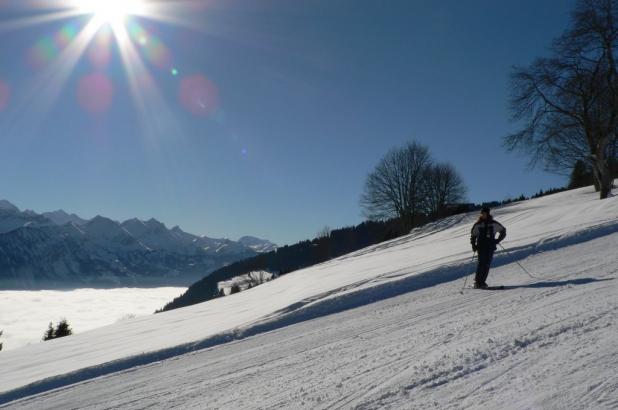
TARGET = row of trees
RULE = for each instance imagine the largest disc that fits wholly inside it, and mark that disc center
(62, 329)
(408, 185)
(327, 245)
(568, 103)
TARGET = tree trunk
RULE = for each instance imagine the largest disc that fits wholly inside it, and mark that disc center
(603, 174)
(606, 182)
(596, 177)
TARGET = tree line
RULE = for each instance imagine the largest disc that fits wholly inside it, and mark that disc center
(289, 258)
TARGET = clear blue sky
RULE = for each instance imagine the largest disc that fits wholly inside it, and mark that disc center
(275, 115)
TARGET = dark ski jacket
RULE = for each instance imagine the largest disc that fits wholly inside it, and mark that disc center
(483, 235)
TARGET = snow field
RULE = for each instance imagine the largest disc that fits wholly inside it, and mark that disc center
(382, 327)
(537, 345)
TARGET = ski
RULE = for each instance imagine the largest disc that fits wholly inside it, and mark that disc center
(500, 287)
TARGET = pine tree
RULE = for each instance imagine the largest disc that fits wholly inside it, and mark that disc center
(63, 329)
(49, 333)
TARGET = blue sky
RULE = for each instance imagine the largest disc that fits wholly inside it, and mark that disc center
(296, 102)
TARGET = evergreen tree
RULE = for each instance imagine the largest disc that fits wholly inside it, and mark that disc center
(63, 329)
(49, 333)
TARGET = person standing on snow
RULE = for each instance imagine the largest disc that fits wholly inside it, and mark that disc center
(483, 240)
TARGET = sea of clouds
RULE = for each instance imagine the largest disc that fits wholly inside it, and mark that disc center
(25, 315)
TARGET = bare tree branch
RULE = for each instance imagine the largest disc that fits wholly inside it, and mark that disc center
(568, 104)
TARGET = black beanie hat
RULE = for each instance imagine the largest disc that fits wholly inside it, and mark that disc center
(485, 209)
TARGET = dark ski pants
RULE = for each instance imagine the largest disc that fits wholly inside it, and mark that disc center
(482, 269)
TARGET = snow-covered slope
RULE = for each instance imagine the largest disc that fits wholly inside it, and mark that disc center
(257, 244)
(384, 326)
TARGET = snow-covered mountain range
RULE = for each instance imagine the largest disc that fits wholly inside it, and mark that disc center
(383, 327)
(57, 249)
(257, 244)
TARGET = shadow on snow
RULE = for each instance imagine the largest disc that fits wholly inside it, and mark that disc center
(555, 284)
(328, 303)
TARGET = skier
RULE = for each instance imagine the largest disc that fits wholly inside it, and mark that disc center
(483, 239)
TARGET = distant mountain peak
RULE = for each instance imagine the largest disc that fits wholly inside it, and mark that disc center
(61, 217)
(257, 244)
(99, 220)
(7, 206)
(101, 225)
(155, 227)
(133, 222)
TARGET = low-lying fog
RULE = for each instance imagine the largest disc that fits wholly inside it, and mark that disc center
(25, 315)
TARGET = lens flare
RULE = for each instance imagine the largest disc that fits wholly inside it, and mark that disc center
(137, 32)
(100, 31)
(152, 47)
(100, 52)
(198, 95)
(44, 52)
(65, 35)
(95, 93)
(157, 53)
(48, 48)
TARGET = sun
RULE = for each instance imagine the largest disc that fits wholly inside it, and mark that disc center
(111, 12)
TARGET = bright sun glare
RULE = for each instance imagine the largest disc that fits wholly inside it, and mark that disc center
(90, 28)
(111, 11)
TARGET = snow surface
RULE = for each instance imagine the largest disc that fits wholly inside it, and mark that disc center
(382, 327)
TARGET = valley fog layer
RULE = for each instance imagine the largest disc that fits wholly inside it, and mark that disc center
(24, 315)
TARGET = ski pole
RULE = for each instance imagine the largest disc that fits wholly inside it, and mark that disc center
(520, 265)
(466, 279)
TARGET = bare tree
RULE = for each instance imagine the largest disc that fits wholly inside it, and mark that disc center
(395, 188)
(444, 186)
(569, 102)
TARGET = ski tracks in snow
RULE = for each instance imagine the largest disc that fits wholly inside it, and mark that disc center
(549, 345)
